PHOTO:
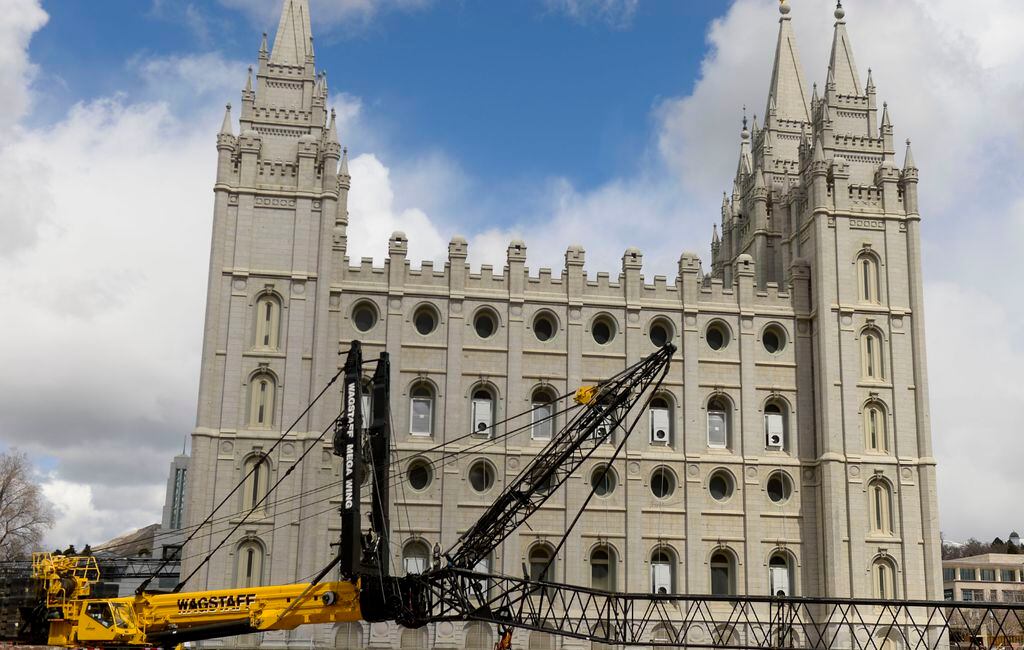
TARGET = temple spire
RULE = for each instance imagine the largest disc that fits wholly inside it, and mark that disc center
(841, 65)
(292, 43)
(332, 130)
(225, 127)
(788, 89)
(908, 159)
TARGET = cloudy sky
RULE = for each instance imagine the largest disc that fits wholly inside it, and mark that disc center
(610, 123)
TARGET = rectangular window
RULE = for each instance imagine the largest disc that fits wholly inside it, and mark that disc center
(773, 433)
(718, 435)
(947, 594)
(967, 595)
(605, 430)
(421, 416)
(968, 574)
(542, 421)
(415, 564)
(482, 417)
(779, 578)
(659, 426)
(720, 581)
(483, 566)
(988, 575)
(948, 575)
(661, 578)
(367, 410)
(1007, 575)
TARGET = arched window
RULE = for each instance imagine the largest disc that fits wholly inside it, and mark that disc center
(542, 415)
(880, 507)
(268, 319)
(349, 636)
(421, 410)
(483, 412)
(661, 422)
(872, 358)
(256, 471)
(883, 579)
(876, 436)
(867, 278)
(479, 636)
(663, 571)
(413, 639)
(416, 557)
(780, 575)
(775, 424)
(602, 568)
(601, 630)
(723, 574)
(542, 566)
(662, 634)
(250, 564)
(262, 391)
(719, 420)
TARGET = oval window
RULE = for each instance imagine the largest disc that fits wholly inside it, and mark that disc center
(663, 483)
(364, 316)
(425, 320)
(720, 485)
(779, 487)
(543, 327)
(603, 330)
(484, 324)
(602, 479)
(420, 474)
(717, 335)
(660, 333)
(481, 476)
(773, 339)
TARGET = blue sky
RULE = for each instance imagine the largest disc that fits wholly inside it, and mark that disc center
(608, 123)
(541, 95)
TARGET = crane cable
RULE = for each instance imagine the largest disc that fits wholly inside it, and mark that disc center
(280, 439)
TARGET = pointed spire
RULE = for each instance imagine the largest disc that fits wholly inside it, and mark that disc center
(870, 87)
(715, 240)
(841, 64)
(263, 46)
(788, 88)
(759, 179)
(886, 121)
(344, 162)
(819, 152)
(332, 130)
(815, 98)
(292, 41)
(248, 81)
(908, 159)
(225, 127)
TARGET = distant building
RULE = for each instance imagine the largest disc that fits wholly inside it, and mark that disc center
(992, 577)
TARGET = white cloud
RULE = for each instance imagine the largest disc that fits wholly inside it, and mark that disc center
(616, 13)
(81, 520)
(346, 14)
(18, 21)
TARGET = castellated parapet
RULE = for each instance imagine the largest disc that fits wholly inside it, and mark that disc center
(788, 448)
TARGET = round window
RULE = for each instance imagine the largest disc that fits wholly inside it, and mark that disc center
(663, 483)
(543, 327)
(603, 330)
(779, 487)
(364, 316)
(774, 339)
(602, 479)
(425, 320)
(481, 476)
(720, 485)
(419, 474)
(484, 324)
(660, 333)
(717, 335)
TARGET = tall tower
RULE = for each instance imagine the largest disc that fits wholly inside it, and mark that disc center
(278, 230)
(817, 191)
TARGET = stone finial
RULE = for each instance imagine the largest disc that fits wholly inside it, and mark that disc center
(715, 239)
(263, 46)
(839, 13)
(398, 244)
(344, 163)
(516, 251)
(632, 259)
(745, 132)
(784, 7)
(575, 255)
(908, 159)
(332, 130)
(458, 248)
(248, 81)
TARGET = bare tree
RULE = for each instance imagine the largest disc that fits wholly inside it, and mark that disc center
(24, 511)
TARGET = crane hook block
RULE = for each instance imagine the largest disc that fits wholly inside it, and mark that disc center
(585, 394)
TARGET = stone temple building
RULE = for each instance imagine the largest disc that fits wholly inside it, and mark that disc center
(790, 449)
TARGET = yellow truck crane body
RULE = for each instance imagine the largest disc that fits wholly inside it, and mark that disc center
(159, 619)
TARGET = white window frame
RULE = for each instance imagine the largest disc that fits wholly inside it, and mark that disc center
(725, 429)
(662, 574)
(268, 323)
(660, 415)
(541, 419)
(429, 401)
(482, 412)
(775, 423)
